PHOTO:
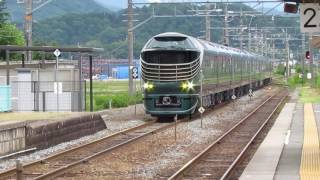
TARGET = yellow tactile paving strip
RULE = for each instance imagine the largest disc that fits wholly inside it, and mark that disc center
(310, 159)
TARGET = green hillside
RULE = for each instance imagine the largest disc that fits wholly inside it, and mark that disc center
(108, 30)
(54, 8)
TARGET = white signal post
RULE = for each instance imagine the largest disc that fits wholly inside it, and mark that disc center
(57, 53)
(134, 71)
(233, 97)
(201, 109)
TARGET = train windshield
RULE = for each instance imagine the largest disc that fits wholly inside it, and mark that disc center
(170, 42)
(169, 56)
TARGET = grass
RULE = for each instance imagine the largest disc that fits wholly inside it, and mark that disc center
(309, 95)
(115, 91)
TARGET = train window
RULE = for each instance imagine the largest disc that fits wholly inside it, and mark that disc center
(170, 43)
(169, 57)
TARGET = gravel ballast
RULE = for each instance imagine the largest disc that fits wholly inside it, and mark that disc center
(159, 156)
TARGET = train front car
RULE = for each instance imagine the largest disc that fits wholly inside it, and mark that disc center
(170, 64)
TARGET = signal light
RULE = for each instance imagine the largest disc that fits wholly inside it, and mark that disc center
(308, 55)
(290, 8)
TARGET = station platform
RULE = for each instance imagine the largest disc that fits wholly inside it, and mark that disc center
(290, 150)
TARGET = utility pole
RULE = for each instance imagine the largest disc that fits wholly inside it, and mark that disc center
(311, 58)
(249, 40)
(241, 29)
(273, 49)
(130, 45)
(303, 54)
(208, 23)
(225, 31)
(28, 27)
(288, 55)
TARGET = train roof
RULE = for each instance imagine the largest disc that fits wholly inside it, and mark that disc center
(210, 46)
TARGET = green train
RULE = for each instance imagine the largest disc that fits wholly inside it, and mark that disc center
(180, 73)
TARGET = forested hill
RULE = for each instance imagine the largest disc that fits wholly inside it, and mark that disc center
(108, 30)
(54, 8)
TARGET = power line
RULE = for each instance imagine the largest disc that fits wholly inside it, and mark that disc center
(208, 2)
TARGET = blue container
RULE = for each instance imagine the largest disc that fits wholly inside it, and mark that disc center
(122, 72)
(5, 98)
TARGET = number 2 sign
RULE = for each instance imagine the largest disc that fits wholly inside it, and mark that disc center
(310, 17)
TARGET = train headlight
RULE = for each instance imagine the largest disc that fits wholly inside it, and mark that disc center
(190, 85)
(184, 85)
(148, 86)
(187, 85)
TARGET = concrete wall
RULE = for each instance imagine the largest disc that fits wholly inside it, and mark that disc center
(12, 138)
(17, 136)
(43, 135)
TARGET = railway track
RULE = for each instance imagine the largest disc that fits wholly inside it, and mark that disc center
(54, 165)
(219, 159)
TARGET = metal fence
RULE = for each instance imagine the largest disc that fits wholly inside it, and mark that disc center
(5, 98)
(48, 96)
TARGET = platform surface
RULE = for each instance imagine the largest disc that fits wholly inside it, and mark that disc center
(264, 163)
(289, 164)
(291, 150)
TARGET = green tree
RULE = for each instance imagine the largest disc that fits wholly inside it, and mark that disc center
(11, 35)
(3, 14)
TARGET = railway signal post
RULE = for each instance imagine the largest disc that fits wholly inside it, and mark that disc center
(250, 94)
(57, 53)
(175, 127)
(233, 97)
(134, 77)
(201, 111)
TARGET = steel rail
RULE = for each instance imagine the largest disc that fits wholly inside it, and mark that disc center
(237, 160)
(193, 161)
(12, 171)
(63, 169)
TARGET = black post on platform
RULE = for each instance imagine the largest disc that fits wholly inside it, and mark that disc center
(22, 59)
(7, 53)
(90, 74)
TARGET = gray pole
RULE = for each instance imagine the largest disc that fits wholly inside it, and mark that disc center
(8, 66)
(91, 90)
(273, 49)
(57, 82)
(288, 56)
(303, 55)
(28, 27)
(225, 32)
(208, 23)
(80, 84)
(241, 30)
(249, 41)
(311, 59)
(130, 45)
(201, 94)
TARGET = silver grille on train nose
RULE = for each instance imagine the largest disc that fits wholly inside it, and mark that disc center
(170, 72)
